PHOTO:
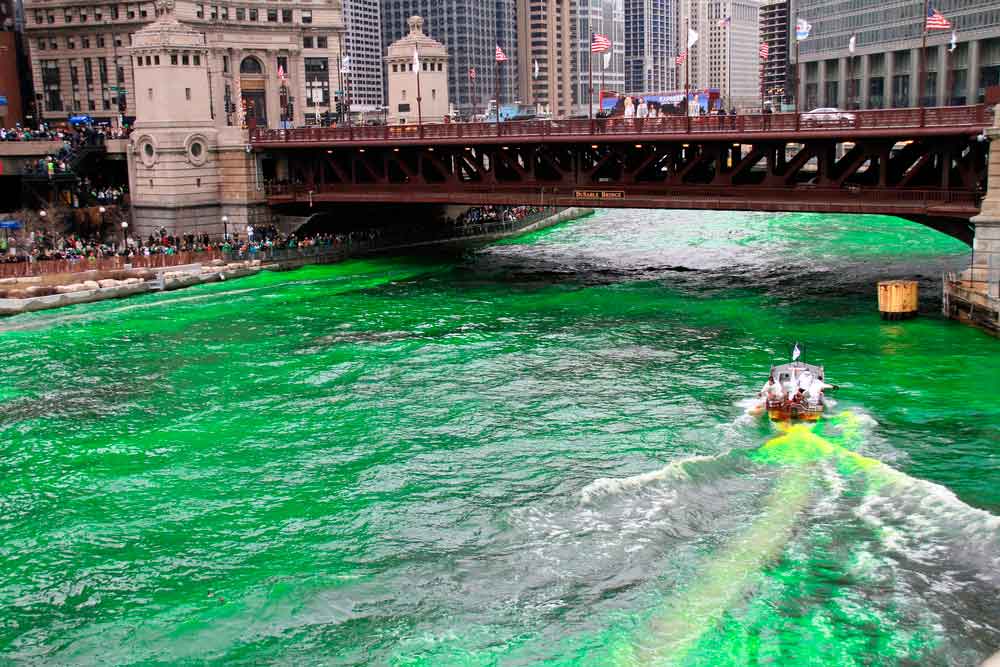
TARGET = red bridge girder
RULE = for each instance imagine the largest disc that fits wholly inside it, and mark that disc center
(914, 163)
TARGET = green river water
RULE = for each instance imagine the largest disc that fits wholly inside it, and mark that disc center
(532, 453)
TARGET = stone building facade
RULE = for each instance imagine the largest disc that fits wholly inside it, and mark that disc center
(80, 61)
(429, 67)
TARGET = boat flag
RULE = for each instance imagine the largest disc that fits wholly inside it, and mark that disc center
(726, 22)
(936, 20)
(281, 73)
(345, 65)
(501, 56)
(607, 60)
(416, 59)
(796, 353)
(599, 43)
(681, 57)
(764, 51)
(802, 29)
(692, 37)
(852, 43)
(953, 44)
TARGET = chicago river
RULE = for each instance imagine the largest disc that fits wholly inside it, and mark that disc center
(533, 452)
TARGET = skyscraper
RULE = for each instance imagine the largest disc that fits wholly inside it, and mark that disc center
(363, 48)
(545, 38)
(651, 38)
(606, 17)
(471, 31)
(774, 30)
(726, 53)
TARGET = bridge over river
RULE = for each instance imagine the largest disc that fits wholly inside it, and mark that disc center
(927, 164)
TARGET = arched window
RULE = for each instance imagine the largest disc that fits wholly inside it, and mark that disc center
(251, 65)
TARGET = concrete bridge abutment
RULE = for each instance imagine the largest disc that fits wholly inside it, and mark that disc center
(974, 296)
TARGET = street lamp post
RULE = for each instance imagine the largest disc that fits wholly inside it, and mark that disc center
(124, 237)
(225, 228)
(102, 211)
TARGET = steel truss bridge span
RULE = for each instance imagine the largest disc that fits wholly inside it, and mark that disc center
(924, 164)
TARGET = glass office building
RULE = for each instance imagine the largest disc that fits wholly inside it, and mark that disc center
(885, 69)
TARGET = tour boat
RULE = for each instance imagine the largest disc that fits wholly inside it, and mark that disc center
(793, 405)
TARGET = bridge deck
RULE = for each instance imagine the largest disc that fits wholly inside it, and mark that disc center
(902, 123)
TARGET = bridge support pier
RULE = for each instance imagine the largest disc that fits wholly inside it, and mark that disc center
(974, 296)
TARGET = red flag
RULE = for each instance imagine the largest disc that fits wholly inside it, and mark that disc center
(501, 56)
(765, 50)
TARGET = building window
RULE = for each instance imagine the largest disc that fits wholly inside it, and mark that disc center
(317, 82)
(225, 63)
(88, 71)
(321, 42)
(196, 59)
(118, 40)
(149, 92)
(138, 61)
(142, 12)
(156, 60)
(307, 42)
(283, 64)
(251, 65)
(106, 104)
(39, 17)
(286, 15)
(100, 41)
(214, 13)
(395, 68)
(114, 12)
(74, 75)
(67, 16)
(307, 16)
(83, 15)
(85, 42)
(187, 94)
(253, 14)
(173, 58)
(50, 17)
(130, 13)
(272, 15)
(41, 45)
(241, 14)
(70, 43)
(225, 14)
(199, 11)
(102, 69)
(185, 60)
(149, 61)
(98, 14)
(91, 105)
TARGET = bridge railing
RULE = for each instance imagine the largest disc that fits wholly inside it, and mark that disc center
(872, 119)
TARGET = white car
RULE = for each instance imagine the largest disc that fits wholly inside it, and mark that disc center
(828, 116)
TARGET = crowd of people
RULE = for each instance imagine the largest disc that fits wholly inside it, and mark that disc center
(72, 134)
(249, 242)
(485, 214)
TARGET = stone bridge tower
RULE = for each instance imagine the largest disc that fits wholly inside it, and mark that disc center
(187, 168)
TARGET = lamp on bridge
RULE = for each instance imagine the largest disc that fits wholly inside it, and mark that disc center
(225, 228)
(124, 236)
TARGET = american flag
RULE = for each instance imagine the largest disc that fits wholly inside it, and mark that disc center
(501, 56)
(600, 43)
(681, 58)
(936, 20)
(765, 50)
(726, 22)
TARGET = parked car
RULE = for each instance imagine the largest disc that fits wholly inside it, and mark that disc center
(828, 116)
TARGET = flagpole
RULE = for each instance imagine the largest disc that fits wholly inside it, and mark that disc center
(922, 85)
(472, 109)
(796, 73)
(850, 75)
(590, 69)
(496, 90)
(687, 73)
(416, 67)
(729, 63)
